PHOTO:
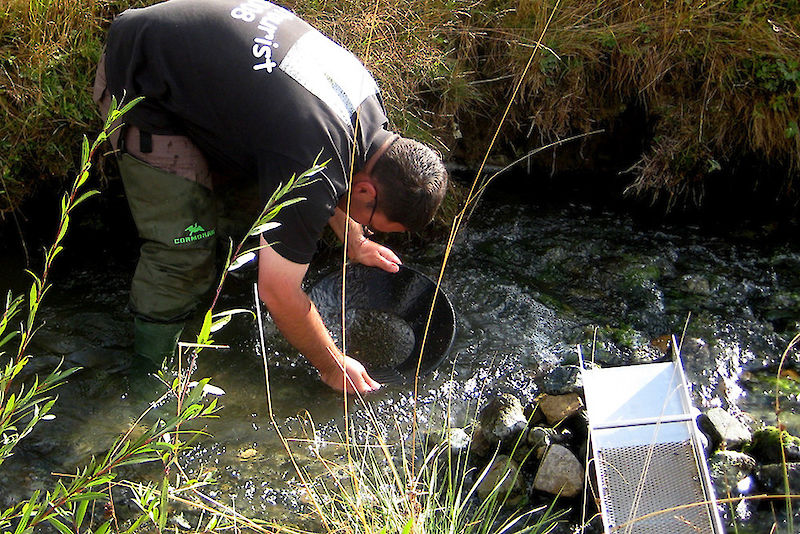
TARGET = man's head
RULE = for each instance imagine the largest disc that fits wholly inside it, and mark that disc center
(411, 181)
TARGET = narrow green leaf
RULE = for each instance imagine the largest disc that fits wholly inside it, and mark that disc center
(241, 260)
(84, 196)
(85, 150)
(27, 513)
(80, 513)
(205, 331)
(143, 459)
(100, 480)
(265, 227)
(220, 323)
(127, 107)
(274, 211)
(37, 282)
(103, 528)
(59, 526)
(233, 311)
(63, 230)
(32, 299)
(408, 526)
(82, 178)
(162, 505)
(8, 338)
(135, 526)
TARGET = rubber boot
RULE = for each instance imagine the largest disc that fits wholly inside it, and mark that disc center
(155, 344)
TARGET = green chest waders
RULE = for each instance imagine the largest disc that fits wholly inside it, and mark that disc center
(176, 219)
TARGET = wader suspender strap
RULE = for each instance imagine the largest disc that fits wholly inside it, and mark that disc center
(145, 140)
(123, 132)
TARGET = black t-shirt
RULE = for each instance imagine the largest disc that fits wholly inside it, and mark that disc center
(260, 92)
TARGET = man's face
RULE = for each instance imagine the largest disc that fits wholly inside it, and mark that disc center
(365, 207)
(380, 223)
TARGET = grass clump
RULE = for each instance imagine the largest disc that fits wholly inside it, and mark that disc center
(48, 53)
(717, 82)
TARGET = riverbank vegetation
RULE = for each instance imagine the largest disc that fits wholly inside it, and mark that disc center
(687, 92)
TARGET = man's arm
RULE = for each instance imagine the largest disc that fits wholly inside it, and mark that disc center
(359, 248)
(279, 286)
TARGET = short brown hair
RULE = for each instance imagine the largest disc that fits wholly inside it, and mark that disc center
(411, 182)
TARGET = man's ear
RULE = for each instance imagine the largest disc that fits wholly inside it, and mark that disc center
(364, 191)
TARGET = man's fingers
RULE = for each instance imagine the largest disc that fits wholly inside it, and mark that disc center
(389, 262)
(370, 382)
(389, 255)
(389, 266)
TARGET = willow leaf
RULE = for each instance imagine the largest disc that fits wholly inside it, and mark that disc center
(59, 526)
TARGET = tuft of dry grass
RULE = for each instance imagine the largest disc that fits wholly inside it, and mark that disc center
(48, 53)
(718, 80)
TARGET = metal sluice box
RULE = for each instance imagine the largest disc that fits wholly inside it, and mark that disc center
(651, 469)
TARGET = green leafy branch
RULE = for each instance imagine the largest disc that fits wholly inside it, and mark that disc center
(239, 256)
(65, 506)
(69, 201)
(20, 411)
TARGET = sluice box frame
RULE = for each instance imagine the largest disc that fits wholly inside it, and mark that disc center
(651, 469)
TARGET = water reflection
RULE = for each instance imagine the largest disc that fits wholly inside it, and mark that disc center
(527, 286)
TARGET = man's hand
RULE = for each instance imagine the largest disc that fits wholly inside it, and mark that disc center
(279, 286)
(359, 248)
(347, 374)
(374, 254)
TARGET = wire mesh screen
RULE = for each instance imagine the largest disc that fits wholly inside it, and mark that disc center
(643, 479)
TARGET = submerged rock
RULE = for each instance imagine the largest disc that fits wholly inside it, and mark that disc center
(563, 379)
(728, 469)
(771, 477)
(556, 408)
(560, 473)
(504, 476)
(502, 419)
(724, 430)
(696, 284)
(540, 438)
(766, 446)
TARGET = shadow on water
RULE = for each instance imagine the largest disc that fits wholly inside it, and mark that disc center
(527, 285)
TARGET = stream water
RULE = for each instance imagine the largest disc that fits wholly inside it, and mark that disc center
(528, 285)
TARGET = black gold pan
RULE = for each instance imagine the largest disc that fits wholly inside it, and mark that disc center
(403, 298)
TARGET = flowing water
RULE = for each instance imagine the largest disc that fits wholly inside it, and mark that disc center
(529, 285)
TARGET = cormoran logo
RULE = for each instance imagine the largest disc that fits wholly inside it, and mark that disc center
(196, 233)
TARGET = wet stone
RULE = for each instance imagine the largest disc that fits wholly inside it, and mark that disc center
(558, 407)
(766, 446)
(540, 438)
(724, 430)
(770, 477)
(563, 379)
(560, 473)
(503, 475)
(728, 469)
(502, 419)
(457, 439)
(180, 522)
(480, 445)
(247, 454)
(696, 285)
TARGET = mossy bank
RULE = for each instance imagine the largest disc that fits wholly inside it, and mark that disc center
(687, 94)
